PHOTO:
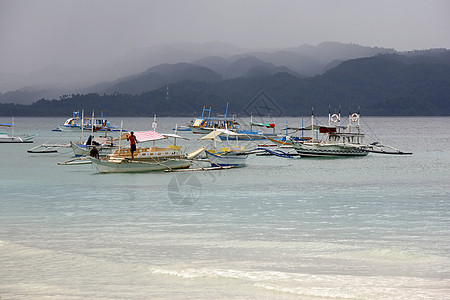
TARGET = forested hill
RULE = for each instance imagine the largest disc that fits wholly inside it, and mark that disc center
(389, 84)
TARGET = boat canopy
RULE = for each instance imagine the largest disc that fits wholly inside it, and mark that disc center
(212, 136)
(7, 124)
(176, 136)
(144, 136)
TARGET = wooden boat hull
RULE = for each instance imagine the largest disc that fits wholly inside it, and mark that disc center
(135, 166)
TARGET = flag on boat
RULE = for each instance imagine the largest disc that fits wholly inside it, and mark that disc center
(267, 125)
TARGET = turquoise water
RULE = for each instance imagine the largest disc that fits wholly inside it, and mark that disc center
(376, 227)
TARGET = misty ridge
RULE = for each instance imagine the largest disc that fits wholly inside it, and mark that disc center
(146, 69)
(379, 81)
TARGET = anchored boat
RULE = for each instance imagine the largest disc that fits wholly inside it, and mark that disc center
(146, 159)
(78, 122)
(340, 141)
(5, 138)
(205, 124)
(227, 156)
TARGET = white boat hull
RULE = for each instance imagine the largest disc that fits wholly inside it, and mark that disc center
(198, 130)
(15, 139)
(82, 150)
(328, 150)
(227, 159)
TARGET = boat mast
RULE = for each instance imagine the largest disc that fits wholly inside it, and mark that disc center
(225, 120)
(303, 132)
(82, 125)
(154, 124)
(312, 125)
(286, 128)
(359, 128)
(329, 116)
(339, 120)
(92, 124)
(120, 136)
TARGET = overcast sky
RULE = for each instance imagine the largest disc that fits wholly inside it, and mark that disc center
(37, 33)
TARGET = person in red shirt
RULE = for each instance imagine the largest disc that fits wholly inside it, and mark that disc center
(132, 139)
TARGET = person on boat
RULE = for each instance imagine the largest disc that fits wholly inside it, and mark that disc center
(94, 152)
(132, 139)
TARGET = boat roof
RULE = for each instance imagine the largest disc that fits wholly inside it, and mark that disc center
(144, 136)
(176, 136)
(213, 134)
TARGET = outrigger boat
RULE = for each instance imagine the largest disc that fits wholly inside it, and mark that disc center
(234, 156)
(5, 138)
(206, 124)
(251, 134)
(79, 122)
(341, 141)
(146, 159)
(48, 148)
(104, 145)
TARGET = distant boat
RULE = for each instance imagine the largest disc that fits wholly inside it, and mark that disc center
(78, 122)
(182, 128)
(205, 124)
(252, 135)
(5, 138)
(340, 141)
(104, 145)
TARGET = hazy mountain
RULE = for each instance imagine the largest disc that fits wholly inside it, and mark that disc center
(157, 77)
(297, 62)
(25, 96)
(139, 60)
(134, 73)
(387, 84)
(327, 52)
(242, 66)
(216, 63)
(164, 74)
(132, 62)
(260, 71)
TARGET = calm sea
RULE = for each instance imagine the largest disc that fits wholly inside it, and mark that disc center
(376, 227)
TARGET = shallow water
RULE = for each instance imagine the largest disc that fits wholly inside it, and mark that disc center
(375, 227)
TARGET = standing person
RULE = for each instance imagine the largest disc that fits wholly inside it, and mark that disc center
(132, 139)
(94, 153)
